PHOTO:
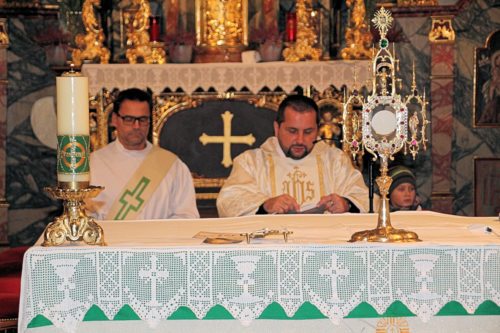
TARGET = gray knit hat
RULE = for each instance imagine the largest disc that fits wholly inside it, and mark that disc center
(401, 174)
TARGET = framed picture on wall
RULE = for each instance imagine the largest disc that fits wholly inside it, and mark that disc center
(487, 83)
(486, 186)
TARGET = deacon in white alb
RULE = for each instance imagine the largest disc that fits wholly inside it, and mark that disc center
(291, 173)
(141, 181)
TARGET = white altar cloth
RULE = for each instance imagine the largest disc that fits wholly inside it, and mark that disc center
(157, 267)
(222, 76)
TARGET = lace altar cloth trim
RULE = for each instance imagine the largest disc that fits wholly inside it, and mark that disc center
(222, 76)
(62, 284)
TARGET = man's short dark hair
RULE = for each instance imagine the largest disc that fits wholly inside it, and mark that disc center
(299, 103)
(133, 94)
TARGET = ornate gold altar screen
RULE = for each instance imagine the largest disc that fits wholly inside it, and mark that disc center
(222, 32)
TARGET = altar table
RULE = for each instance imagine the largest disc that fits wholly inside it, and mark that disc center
(154, 276)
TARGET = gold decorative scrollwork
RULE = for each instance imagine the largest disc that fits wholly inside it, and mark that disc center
(358, 37)
(73, 224)
(101, 107)
(90, 45)
(221, 29)
(4, 37)
(307, 37)
(138, 45)
(417, 3)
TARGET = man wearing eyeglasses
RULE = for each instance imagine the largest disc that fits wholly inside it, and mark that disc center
(141, 181)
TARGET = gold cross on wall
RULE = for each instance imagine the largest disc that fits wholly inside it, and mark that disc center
(227, 139)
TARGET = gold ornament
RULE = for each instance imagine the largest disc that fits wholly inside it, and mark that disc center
(138, 45)
(307, 37)
(358, 37)
(90, 45)
(221, 30)
(73, 225)
(4, 37)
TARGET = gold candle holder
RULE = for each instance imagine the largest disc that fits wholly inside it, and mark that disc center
(73, 225)
(158, 54)
(304, 47)
(73, 172)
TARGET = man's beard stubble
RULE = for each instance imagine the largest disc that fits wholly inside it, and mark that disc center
(288, 153)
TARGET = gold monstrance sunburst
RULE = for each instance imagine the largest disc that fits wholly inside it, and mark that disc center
(384, 128)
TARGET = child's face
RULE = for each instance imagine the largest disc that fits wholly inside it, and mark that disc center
(403, 196)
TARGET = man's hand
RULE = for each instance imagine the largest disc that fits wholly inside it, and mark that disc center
(334, 203)
(281, 204)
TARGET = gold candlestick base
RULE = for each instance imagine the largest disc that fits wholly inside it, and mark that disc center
(385, 235)
(73, 224)
(158, 55)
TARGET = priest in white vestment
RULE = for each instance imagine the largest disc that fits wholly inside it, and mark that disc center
(140, 181)
(292, 173)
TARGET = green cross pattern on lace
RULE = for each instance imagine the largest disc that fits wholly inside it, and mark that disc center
(131, 200)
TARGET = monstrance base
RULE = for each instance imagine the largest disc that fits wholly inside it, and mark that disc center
(385, 235)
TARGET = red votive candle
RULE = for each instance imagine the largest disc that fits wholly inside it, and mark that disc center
(154, 28)
(291, 27)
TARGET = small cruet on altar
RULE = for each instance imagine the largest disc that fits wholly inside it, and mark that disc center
(389, 123)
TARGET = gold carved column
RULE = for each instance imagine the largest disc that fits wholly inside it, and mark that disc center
(221, 30)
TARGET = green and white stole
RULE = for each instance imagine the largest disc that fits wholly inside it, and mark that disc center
(142, 185)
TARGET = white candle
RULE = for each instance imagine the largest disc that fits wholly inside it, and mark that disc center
(72, 129)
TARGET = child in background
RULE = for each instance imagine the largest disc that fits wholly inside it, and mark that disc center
(402, 193)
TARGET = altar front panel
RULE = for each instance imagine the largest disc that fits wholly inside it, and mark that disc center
(157, 275)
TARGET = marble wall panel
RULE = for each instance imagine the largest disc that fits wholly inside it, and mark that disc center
(473, 25)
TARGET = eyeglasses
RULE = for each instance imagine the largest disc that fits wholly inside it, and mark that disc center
(130, 120)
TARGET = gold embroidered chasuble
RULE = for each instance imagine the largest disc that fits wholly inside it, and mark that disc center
(266, 172)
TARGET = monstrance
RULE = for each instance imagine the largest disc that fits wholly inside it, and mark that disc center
(386, 128)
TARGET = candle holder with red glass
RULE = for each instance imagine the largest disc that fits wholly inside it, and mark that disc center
(291, 27)
(158, 55)
(301, 36)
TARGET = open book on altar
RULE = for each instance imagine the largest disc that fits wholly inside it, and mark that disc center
(310, 209)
